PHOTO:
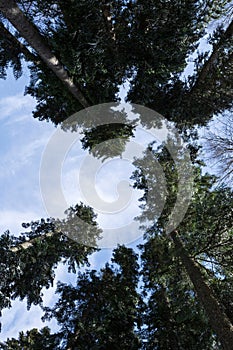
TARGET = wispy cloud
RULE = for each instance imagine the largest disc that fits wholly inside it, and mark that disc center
(28, 319)
(12, 219)
(15, 104)
(21, 154)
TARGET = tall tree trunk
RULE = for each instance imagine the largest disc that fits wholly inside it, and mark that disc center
(172, 338)
(218, 320)
(210, 63)
(31, 34)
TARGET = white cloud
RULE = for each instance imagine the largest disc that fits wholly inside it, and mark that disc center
(19, 319)
(20, 155)
(20, 134)
(24, 140)
(15, 104)
(12, 219)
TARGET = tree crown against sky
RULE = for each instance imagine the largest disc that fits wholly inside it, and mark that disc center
(109, 308)
(79, 55)
(101, 44)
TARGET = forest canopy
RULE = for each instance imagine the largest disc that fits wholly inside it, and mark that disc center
(175, 290)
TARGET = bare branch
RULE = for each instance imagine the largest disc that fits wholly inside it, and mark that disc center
(219, 146)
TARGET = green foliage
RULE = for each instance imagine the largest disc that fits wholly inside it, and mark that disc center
(107, 140)
(206, 231)
(173, 317)
(28, 262)
(32, 340)
(10, 56)
(100, 312)
(101, 45)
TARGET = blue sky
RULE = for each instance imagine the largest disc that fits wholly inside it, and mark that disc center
(22, 139)
(22, 142)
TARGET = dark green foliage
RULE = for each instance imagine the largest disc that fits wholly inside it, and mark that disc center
(206, 230)
(101, 44)
(82, 41)
(10, 55)
(101, 311)
(32, 340)
(174, 318)
(107, 140)
(53, 101)
(28, 262)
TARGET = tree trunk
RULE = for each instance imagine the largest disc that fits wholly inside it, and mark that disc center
(218, 320)
(31, 34)
(171, 335)
(209, 64)
(29, 243)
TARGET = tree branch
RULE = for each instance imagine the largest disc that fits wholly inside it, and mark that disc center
(31, 34)
(29, 243)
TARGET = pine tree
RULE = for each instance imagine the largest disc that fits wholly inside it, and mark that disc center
(78, 54)
(28, 262)
(94, 46)
(205, 236)
(100, 312)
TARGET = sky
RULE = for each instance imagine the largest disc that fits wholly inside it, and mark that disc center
(23, 142)
(22, 139)
(25, 146)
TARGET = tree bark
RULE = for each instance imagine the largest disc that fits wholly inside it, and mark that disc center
(218, 320)
(209, 64)
(29, 243)
(172, 338)
(31, 34)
